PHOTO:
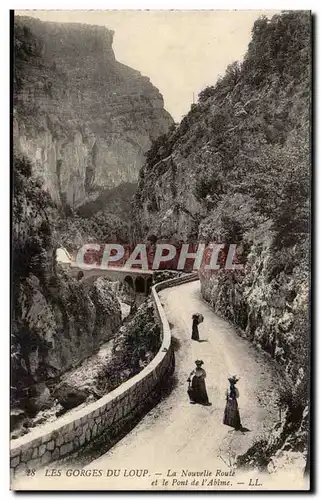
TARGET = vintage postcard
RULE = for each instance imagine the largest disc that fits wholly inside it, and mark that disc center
(161, 175)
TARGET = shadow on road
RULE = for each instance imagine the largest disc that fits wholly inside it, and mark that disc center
(244, 429)
(176, 343)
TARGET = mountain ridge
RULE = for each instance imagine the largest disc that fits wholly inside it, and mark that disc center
(83, 119)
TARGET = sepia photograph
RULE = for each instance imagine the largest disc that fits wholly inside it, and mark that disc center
(161, 178)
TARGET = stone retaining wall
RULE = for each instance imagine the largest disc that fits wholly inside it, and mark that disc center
(69, 433)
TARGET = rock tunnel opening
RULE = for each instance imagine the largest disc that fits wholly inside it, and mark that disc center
(140, 285)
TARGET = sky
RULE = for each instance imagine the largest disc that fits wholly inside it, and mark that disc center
(181, 52)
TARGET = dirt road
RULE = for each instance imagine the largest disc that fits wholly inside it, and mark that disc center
(177, 443)
(177, 435)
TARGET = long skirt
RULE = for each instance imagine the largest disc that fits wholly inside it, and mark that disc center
(195, 334)
(232, 414)
(197, 391)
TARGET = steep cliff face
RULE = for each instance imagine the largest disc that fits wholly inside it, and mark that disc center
(82, 118)
(236, 170)
(57, 321)
(104, 220)
(253, 121)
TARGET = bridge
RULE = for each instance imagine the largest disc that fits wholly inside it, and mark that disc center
(138, 280)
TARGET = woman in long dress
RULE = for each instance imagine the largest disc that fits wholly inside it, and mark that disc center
(195, 334)
(231, 412)
(197, 389)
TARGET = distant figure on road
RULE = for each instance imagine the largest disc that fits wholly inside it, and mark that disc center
(197, 319)
(196, 386)
(231, 412)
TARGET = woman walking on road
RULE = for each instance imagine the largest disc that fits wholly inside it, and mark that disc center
(197, 319)
(196, 388)
(231, 412)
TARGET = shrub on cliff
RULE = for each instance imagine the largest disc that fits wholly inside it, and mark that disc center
(102, 227)
(160, 149)
(261, 202)
(136, 344)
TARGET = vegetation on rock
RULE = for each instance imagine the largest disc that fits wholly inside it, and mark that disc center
(137, 342)
(57, 321)
(237, 170)
(104, 220)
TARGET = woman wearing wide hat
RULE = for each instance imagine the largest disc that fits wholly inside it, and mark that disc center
(197, 319)
(196, 388)
(231, 412)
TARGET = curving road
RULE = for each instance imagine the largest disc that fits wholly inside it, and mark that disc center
(176, 434)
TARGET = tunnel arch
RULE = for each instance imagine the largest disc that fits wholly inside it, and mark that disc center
(140, 284)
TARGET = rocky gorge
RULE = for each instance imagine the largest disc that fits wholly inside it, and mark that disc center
(81, 124)
(57, 321)
(236, 171)
(83, 119)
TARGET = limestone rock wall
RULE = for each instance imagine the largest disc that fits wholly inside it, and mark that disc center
(57, 321)
(83, 119)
